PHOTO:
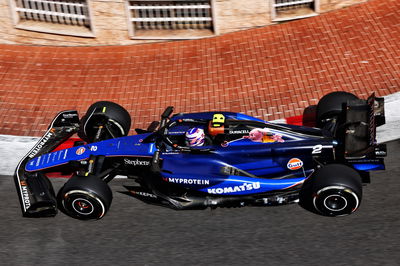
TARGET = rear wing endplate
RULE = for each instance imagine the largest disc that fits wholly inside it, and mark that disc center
(362, 119)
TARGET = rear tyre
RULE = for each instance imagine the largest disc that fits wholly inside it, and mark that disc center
(334, 190)
(331, 105)
(104, 120)
(310, 116)
(85, 198)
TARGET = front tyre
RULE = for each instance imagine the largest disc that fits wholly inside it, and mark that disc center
(104, 120)
(85, 198)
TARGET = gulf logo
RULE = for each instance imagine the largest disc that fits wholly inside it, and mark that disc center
(294, 164)
(80, 151)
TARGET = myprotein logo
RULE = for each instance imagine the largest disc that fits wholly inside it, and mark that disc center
(40, 145)
(241, 188)
(136, 162)
(189, 181)
(294, 164)
(25, 196)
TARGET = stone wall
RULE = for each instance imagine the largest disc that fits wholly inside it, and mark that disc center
(110, 23)
(233, 15)
(328, 5)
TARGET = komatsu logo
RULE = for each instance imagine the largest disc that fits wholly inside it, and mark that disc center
(226, 190)
(40, 145)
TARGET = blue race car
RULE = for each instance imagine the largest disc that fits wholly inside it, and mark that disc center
(243, 161)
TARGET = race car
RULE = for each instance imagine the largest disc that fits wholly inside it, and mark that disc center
(244, 161)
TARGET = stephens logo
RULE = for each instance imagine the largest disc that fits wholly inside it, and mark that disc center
(136, 162)
(80, 151)
(294, 164)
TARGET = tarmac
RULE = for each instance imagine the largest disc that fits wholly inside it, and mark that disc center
(136, 233)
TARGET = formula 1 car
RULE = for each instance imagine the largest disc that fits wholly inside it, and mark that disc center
(245, 162)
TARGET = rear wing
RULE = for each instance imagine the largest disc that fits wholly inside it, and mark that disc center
(362, 117)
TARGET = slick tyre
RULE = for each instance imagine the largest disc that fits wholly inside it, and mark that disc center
(309, 116)
(85, 198)
(335, 190)
(331, 104)
(104, 120)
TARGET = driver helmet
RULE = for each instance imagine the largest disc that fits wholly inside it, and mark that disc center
(195, 137)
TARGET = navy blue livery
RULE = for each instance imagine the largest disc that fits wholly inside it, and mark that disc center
(244, 161)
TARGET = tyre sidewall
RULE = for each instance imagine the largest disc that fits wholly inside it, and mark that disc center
(336, 185)
(114, 113)
(85, 198)
(331, 104)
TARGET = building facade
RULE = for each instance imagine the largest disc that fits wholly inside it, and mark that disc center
(122, 22)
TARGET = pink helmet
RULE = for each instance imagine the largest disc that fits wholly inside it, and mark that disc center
(195, 137)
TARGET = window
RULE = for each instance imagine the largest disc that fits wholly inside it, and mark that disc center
(67, 17)
(170, 19)
(283, 10)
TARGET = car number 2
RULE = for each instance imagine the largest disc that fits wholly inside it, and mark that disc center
(317, 149)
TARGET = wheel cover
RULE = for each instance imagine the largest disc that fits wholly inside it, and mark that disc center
(83, 205)
(336, 201)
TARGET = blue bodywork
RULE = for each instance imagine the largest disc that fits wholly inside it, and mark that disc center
(239, 166)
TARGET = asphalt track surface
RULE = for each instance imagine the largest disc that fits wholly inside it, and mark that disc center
(135, 233)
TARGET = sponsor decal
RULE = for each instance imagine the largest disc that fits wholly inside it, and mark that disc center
(25, 195)
(243, 131)
(294, 164)
(65, 154)
(244, 187)
(380, 153)
(40, 145)
(143, 194)
(189, 181)
(225, 144)
(38, 160)
(136, 162)
(80, 151)
(69, 116)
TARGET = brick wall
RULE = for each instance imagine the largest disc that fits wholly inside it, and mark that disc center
(110, 23)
